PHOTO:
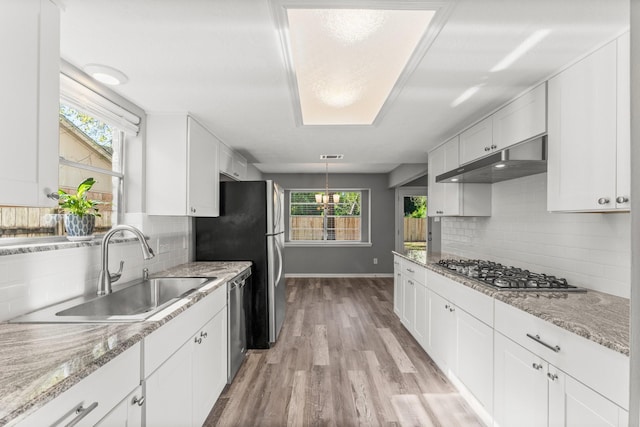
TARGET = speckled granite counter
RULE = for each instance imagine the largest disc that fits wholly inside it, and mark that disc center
(40, 361)
(594, 315)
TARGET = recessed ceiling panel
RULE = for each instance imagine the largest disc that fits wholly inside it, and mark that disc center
(347, 61)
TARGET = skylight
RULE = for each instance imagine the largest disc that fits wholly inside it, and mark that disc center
(347, 61)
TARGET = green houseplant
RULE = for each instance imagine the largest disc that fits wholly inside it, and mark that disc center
(81, 212)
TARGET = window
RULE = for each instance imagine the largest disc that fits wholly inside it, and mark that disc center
(310, 221)
(91, 140)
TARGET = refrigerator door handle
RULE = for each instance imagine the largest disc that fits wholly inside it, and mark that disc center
(279, 264)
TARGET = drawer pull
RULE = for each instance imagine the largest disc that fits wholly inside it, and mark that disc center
(537, 366)
(410, 282)
(551, 376)
(82, 412)
(410, 270)
(537, 339)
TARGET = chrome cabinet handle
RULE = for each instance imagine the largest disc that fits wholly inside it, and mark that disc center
(536, 366)
(537, 339)
(82, 412)
(487, 149)
(203, 334)
(452, 309)
(494, 146)
(410, 270)
(410, 282)
(622, 199)
(138, 400)
(198, 340)
(551, 376)
(446, 306)
(603, 200)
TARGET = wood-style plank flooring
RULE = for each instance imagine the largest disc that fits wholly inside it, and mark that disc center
(342, 359)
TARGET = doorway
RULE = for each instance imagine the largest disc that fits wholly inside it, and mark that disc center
(411, 219)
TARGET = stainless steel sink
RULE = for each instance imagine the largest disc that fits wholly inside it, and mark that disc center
(132, 302)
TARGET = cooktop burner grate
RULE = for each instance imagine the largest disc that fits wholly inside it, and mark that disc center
(507, 278)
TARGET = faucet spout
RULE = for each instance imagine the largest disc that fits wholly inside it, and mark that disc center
(105, 278)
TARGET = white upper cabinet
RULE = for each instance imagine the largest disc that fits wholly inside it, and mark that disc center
(232, 163)
(30, 45)
(182, 167)
(477, 141)
(448, 199)
(522, 119)
(588, 142)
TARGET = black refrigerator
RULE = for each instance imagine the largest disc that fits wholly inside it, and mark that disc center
(251, 228)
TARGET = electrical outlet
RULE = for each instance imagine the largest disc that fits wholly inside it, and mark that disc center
(375, 260)
(163, 247)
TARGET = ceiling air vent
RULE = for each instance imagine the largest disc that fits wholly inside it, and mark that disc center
(331, 156)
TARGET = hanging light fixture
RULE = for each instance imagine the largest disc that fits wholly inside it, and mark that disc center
(324, 198)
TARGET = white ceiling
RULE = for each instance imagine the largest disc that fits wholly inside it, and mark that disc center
(221, 60)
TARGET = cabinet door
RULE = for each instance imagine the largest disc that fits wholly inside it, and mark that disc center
(203, 181)
(225, 160)
(475, 357)
(421, 326)
(239, 167)
(29, 41)
(444, 199)
(128, 413)
(520, 386)
(572, 404)
(209, 366)
(397, 287)
(477, 141)
(408, 303)
(169, 391)
(522, 119)
(582, 135)
(442, 333)
(623, 148)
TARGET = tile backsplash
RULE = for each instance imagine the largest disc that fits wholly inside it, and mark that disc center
(30, 281)
(590, 250)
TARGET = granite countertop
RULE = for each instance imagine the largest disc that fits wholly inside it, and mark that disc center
(594, 315)
(38, 362)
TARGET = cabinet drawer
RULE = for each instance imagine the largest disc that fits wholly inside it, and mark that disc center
(473, 302)
(413, 271)
(105, 387)
(596, 366)
(165, 341)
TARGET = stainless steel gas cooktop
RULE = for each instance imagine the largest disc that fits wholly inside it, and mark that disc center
(507, 278)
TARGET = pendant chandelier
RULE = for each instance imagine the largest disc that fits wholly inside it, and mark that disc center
(324, 198)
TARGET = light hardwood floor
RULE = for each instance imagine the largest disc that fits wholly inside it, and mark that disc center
(342, 359)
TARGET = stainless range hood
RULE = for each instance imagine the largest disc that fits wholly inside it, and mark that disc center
(527, 158)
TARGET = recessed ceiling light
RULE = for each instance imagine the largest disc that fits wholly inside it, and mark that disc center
(105, 74)
(522, 48)
(347, 61)
(500, 165)
(454, 179)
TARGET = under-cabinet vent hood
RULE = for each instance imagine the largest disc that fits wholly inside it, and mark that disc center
(527, 158)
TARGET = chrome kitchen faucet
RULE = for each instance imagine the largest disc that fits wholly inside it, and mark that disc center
(105, 279)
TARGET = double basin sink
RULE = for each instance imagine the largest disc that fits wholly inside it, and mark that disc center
(132, 302)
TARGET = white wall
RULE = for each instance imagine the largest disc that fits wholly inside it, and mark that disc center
(33, 280)
(590, 250)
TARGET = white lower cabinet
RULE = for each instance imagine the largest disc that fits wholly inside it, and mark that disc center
(442, 333)
(209, 366)
(532, 392)
(397, 286)
(128, 413)
(169, 391)
(182, 389)
(520, 384)
(572, 404)
(514, 369)
(94, 397)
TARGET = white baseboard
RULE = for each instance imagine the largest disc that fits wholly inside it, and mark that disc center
(336, 275)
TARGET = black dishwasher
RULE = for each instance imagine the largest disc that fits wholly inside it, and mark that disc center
(238, 293)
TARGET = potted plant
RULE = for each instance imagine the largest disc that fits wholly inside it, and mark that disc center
(81, 212)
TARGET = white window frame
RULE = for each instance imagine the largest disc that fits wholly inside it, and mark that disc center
(365, 219)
